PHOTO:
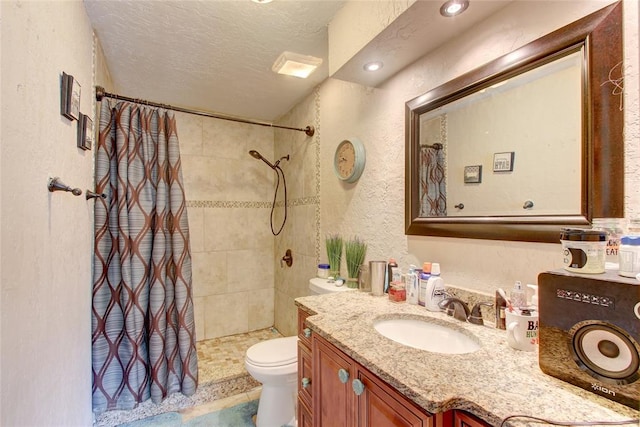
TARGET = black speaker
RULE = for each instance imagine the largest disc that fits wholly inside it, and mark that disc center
(589, 332)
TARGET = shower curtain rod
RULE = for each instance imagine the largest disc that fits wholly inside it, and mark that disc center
(100, 93)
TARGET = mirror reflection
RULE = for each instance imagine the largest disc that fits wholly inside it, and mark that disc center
(511, 148)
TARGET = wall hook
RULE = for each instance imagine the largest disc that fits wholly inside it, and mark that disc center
(528, 204)
(91, 195)
(56, 185)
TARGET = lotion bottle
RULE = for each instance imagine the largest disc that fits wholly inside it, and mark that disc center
(424, 279)
(435, 289)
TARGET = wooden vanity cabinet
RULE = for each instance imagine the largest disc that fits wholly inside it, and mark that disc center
(346, 394)
(381, 405)
(330, 397)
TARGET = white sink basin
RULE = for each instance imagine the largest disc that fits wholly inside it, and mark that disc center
(425, 335)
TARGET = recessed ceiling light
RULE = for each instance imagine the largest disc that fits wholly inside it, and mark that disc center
(373, 66)
(453, 7)
(294, 64)
(262, 1)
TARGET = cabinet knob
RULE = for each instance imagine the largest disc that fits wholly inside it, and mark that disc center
(358, 387)
(307, 332)
(306, 382)
(343, 375)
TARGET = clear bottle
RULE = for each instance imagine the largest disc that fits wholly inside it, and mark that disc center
(615, 228)
(629, 255)
(518, 296)
(411, 284)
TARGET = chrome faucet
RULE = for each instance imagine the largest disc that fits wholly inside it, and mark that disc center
(476, 315)
(460, 310)
(455, 307)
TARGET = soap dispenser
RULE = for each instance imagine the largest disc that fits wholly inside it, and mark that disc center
(518, 295)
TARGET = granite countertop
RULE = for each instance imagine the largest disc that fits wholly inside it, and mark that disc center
(491, 383)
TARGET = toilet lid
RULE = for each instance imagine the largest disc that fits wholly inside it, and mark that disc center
(275, 352)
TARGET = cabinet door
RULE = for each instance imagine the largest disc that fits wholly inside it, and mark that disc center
(304, 415)
(462, 419)
(382, 406)
(304, 374)
(333, 396)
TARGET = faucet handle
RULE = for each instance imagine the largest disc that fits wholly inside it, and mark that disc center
(476, 315)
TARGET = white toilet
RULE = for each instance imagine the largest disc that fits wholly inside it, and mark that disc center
(274, 363)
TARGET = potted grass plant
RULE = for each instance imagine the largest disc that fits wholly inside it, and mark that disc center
(334, 245)
(355, 250)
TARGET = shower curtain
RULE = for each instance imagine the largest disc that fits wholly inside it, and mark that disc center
(143, 331)
(433, 192)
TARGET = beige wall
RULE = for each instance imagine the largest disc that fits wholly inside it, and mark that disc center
(46, 243)
(373, 208)
(228, 198)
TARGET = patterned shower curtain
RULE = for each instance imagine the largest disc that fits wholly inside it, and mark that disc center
(433, 192)
(143, 331)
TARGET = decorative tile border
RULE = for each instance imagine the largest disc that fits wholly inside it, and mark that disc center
(316, 95)
(226, 204)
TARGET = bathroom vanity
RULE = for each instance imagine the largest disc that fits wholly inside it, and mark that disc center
(350, 375)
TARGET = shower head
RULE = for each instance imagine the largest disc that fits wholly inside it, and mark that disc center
(258, 156)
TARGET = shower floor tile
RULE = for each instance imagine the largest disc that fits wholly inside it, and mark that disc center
(221, 375)
(223, 358)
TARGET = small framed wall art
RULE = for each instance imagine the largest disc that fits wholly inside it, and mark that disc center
(70, 97)
(85, 132)
(473, 174)
(503, 162)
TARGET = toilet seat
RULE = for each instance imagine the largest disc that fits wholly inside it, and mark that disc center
(274, 352)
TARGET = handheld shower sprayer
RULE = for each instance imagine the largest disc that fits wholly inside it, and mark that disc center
(276, 168)
(258, 156)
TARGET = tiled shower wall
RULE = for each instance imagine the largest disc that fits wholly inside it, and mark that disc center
(300, 233)
(229, 195)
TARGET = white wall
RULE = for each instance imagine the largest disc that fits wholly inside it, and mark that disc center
(46, 237)
(373, 208)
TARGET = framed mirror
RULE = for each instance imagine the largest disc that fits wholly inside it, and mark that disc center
(524, 145)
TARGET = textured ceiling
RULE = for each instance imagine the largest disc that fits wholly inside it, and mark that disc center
(212, 55)
(216, 55)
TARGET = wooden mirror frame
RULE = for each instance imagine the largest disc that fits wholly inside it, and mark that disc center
(602, 182)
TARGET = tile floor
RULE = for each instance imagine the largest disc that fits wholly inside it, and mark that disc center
(222, 380)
